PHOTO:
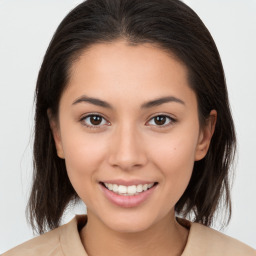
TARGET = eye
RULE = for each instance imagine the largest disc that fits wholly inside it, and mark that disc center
(93, 121)
(162, 121)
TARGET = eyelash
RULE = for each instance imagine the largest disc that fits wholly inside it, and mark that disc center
(82, 120)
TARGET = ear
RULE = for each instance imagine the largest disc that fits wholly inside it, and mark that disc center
(56, 134)
(205, 136)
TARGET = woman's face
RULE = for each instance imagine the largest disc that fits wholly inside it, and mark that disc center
(128, 117)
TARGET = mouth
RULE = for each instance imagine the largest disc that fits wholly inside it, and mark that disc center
(131, 190)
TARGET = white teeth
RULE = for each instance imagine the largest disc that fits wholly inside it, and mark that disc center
(122, 189)
(139, 188)
(151, 185)
(131, 189)
(115, 187)
(128, 190)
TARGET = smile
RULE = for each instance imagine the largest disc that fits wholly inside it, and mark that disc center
(130, 195)
(128, 190)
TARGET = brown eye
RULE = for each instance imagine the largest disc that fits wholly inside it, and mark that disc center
(162, 121)
(93, 121)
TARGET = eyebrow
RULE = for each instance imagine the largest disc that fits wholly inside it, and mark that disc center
(146, 105)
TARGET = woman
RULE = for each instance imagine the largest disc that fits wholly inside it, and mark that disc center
(132, 117)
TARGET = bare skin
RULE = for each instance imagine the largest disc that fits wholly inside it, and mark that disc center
(128, 143)
(124, 244)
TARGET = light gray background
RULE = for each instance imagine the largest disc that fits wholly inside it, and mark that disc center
(26, 27)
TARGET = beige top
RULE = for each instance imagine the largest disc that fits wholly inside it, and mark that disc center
(65, 241)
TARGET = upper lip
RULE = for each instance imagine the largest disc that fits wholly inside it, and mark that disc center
(128, 182)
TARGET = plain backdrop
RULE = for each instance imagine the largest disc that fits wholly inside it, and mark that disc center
(26, 27)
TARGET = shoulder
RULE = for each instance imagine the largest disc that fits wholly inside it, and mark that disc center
(58, 242)
(46, 244)
(203, 240)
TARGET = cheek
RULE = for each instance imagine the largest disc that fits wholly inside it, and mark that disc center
(83, 156)
(176, 150)
(175, 159)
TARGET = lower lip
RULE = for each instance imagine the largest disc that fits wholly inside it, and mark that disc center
(127, 201)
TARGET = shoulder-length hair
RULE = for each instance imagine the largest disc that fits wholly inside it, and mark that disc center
(175, 28)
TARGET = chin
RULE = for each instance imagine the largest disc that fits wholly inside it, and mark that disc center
(131, 223)
(125, 227)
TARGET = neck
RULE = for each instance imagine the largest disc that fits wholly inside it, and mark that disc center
(169, 236)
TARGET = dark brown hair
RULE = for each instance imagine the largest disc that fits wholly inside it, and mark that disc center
(172, 26)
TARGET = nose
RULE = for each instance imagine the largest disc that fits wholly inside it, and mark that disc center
(127, 150)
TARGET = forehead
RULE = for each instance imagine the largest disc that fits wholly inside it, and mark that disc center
(145, 59)
(118, 70)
